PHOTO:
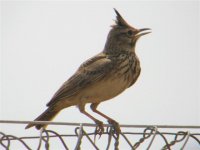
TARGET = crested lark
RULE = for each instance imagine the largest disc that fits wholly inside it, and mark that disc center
(100, 78)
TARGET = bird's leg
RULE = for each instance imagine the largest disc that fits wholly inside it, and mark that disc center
(115, 124)
(99, 129)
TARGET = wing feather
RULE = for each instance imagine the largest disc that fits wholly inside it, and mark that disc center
(89, 72)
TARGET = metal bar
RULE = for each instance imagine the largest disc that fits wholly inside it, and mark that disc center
(187, 138)
(154, 135)
(94, 125)
(93, 143)
(149, 131)
(40, 139)
(80, 135)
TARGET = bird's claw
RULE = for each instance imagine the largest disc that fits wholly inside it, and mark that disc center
(99, 129)
(116, 127)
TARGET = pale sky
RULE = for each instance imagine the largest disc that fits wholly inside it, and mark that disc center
(43, 43)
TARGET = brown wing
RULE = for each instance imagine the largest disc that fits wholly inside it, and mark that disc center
(92, 70)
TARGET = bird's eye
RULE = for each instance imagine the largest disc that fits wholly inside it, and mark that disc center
(130, 33)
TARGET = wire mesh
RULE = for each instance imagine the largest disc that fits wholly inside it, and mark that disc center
(132, 136)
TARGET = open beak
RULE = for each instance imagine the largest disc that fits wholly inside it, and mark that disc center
(141, 33)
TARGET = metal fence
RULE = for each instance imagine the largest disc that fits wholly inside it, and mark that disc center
(133, 136)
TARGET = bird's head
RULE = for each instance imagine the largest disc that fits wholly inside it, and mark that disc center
(122, 36)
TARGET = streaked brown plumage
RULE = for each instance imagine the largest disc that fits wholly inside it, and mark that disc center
(102, 77)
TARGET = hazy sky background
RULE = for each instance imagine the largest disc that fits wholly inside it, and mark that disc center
(43, 43)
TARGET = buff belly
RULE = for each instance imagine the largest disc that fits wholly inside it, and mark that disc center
(104, 90)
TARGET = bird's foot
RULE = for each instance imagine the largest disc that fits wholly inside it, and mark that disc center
(115, 125)
(99, 129)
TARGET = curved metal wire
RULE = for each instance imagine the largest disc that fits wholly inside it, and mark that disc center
(148, 136)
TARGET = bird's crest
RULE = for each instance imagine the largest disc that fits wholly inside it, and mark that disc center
(120, 22)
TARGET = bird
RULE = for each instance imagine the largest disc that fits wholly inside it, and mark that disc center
(100, 78)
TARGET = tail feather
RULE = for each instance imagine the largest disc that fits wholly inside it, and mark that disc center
(47, 115)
